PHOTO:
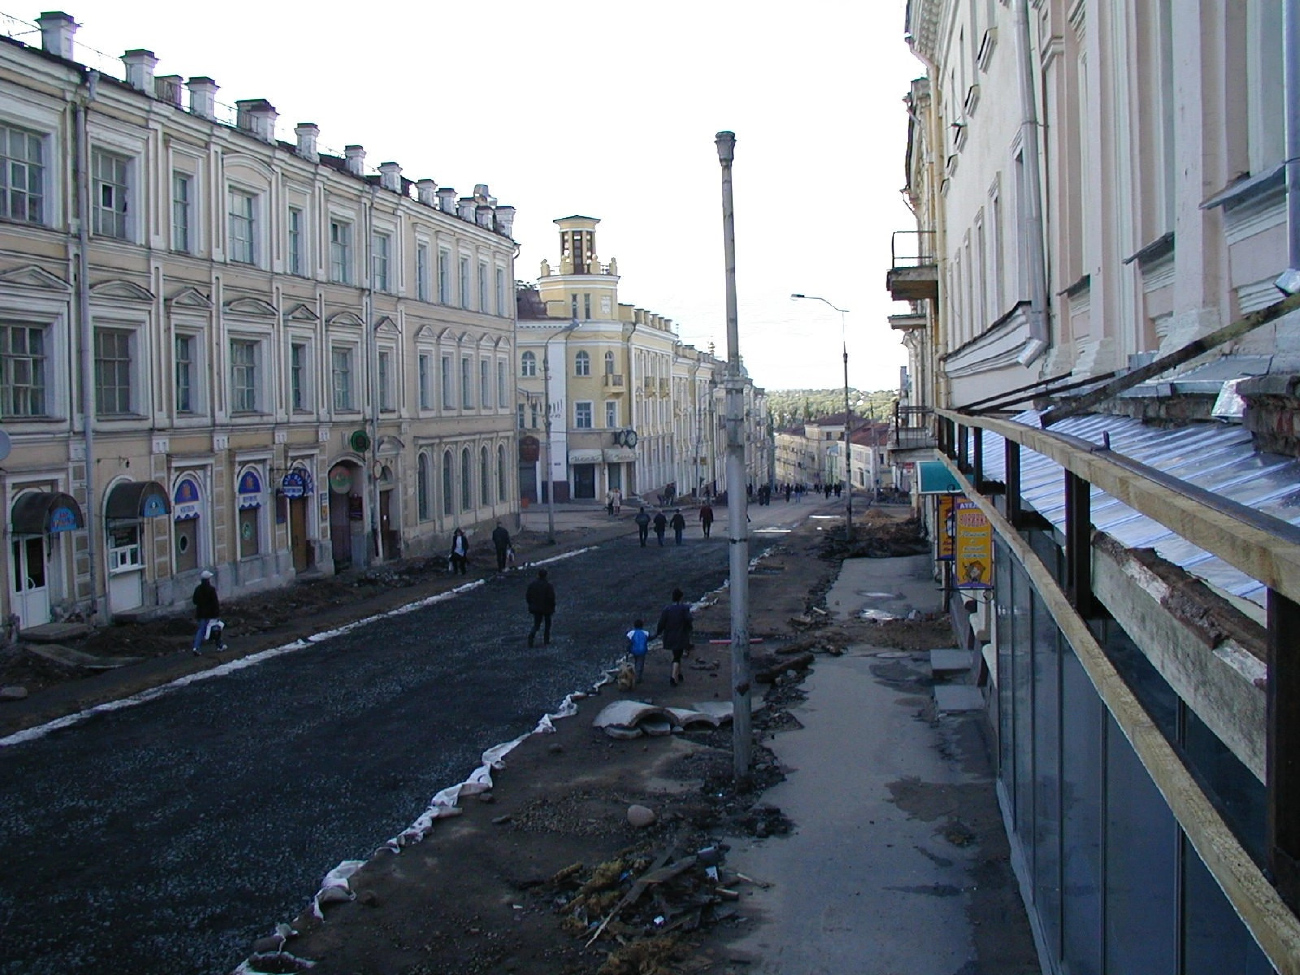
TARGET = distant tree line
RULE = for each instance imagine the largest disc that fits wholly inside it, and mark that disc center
(792, 407)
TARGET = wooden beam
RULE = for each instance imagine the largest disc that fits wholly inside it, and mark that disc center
(1284, 746)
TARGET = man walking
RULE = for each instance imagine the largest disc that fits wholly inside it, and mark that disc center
(661, 526)
(207, 607)
(706, 518)
(501, 542)
(679, 525)
(642, 525)
(675, 627)
(540, 597)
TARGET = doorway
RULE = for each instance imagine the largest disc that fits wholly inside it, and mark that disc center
(31, 594)
(584, 481)
(299, 543)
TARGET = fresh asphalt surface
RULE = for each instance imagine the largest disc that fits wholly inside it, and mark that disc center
(168, 836)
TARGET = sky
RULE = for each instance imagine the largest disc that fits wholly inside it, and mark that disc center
(610, 110)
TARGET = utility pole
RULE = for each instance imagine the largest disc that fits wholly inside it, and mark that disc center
(546, 392)
(737, 502)
(848, 417)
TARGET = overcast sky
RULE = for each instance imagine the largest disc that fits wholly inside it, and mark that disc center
(609, 110)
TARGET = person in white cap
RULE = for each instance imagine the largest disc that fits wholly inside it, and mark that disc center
(207, 607)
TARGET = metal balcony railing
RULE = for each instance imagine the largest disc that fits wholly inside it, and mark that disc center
(914, 428)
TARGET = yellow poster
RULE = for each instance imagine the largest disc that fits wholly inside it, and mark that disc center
(974, 547)
(947, 523)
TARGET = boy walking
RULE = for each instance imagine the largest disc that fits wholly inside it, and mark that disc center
(638, 642)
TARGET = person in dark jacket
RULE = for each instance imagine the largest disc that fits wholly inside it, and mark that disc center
(675, 627)
(661, 526)
(501, 542)
(540, 597)
(706, 518)
(642, 525)
(679, 526)
(459, 552)
(207, 607)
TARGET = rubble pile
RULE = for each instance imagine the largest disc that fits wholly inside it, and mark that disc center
(877, 540)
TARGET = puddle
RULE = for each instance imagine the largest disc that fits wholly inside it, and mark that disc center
(878, 615)
(881, 595)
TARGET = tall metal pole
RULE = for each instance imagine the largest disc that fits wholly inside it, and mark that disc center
(848, 415)
(546, 392)
(737, 502)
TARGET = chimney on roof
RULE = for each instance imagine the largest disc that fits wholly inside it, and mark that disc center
(482, 195)
(426, 191)
(203, 97)
(483, 216)
(168, 89)
(465, 208)
(390, 176)
(139, 69)
(505, 217)
(256, 116)
(57, 29)
(355, 158)
(447, 199)
(307, 133)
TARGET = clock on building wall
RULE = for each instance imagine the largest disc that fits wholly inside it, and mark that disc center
(630, 438)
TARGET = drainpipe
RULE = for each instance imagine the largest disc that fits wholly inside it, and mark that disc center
(81, 109)
(1032, 220)
(634, 485)
(1291, 71)
(371, 351)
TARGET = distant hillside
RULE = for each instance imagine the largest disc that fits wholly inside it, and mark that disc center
(794, 406)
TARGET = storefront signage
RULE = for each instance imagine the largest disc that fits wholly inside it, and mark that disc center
(974, 548)
(296, 483)
(250, 490)
(185, 500)
(946, 519)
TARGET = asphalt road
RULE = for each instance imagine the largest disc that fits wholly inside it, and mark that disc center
(167, 836)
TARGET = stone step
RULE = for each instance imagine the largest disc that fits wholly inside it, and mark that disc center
(950, 661)
(958, 697)
(54, 632)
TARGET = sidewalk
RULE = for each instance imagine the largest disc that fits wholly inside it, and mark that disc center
(898, 862)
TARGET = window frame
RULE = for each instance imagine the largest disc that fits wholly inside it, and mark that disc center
(582, 363)
(466, 382)
(123, 366)
(341, 252)
(184, 373)
(296, 253)
(342, 373)
(464, 267)
(299, 376)
(483, 286)
(384, 361)
(182, 212)
(444, 275)
(241, 249)
(38, 366)
(111, 221)
(484, 383)
(583, 409)
(7, 163)
(381, 258)
(423, 291)
(528, 364)
(424, 379)
(448, 393)
(245, 375)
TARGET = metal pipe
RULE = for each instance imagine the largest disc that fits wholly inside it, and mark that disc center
(737, 503)
(848, 415)
(1032, 220)
(1291, 71)
(546, 392)
(370, 349)
(82, 110)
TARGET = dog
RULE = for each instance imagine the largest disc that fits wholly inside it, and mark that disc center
(626, 677)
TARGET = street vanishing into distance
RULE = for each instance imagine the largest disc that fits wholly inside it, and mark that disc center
(167, 836)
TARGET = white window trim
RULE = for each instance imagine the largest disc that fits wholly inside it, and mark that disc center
(591, 414)
(353, 347)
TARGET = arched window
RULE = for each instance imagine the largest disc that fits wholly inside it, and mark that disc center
(448, 494)
(582, 364)
(609, 363)
(528, 364)
(501, 474)
(466, 495)
(484, 478)
(423, 487)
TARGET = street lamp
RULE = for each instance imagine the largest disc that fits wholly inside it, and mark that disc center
(546, 392)
(848, 416)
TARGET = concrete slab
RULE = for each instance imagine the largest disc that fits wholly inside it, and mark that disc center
(892, 587)
(53, 632)
(958, 697)
(949, 661)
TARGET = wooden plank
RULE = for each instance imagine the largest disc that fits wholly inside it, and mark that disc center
(1284, 746)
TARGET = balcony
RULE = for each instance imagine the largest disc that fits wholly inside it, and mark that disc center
(614, 382)
(914, 429)
(914, 271)
(911, 322)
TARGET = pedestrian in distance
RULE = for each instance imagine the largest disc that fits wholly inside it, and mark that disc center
(540, 597)
(501, 543)
(679, 525)
(207, 610)
(642, 525)
(638, 642)
(609, 503)
(618, 500)
(661, 526)
(706, 518)
(675, 627)
(459, 552)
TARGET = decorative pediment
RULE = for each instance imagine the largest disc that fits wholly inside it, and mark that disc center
(250, 307)
(35, 277)
(386, 324)
(190, 298)
(425, 333)
(389, 445)
(301, 313)
(347, 319)
(120, 290)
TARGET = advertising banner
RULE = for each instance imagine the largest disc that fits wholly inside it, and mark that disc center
(947, 521)
(973, 549)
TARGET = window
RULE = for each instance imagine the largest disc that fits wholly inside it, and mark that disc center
(466, 383)
(447, 493)
(444, 276)
(484, 478)
(501, 291)
(528, 364)
(112, 371)
(586, 306)
(423, 489)
(446, 383)
(22, 175)
(502, 399)
(611, 413)
(386, 380)
(340, 252)
(296, 262)
(484, 383)
(341, 372)
(298, 376)
(379, 249)
(582, 416)
(501, 474)
(109, 187)
(582, 364)
(464, 281)
(609, 363)
(243, 376)
(573, 301)
(181, 216)
(519, 411)
(22, 370)
(241, 227)
(482, 286)
(425, 363)
(422, 272)
(466, 495)
(184, 374)
(124, 548)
